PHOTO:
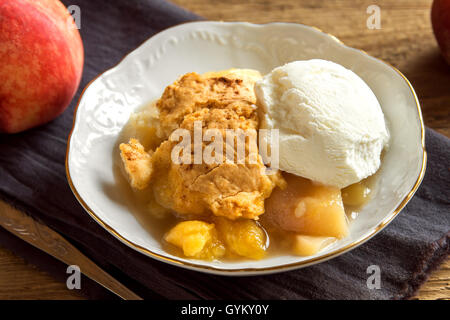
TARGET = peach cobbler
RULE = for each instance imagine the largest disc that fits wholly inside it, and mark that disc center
(235, 208)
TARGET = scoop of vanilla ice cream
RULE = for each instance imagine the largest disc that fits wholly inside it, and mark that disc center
(331, 127)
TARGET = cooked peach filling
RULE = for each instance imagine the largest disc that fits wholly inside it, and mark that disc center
(308, 216)
(309, 245)
(307, 208)
(224, 237)
(242, 238)
(356, 194)
(197, 239)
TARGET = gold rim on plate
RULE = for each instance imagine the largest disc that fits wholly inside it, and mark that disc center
(283, 267)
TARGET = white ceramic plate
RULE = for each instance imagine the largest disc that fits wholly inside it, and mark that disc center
(141, 77)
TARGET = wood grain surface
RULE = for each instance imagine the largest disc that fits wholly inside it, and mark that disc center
(20, 280)
(405, 40)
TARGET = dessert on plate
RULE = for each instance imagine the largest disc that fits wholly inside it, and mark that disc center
(197, 155)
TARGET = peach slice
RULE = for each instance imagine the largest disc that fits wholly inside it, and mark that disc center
(242, 237)
(356, 195)
(309, 245)
(197, 239)
(307, 208)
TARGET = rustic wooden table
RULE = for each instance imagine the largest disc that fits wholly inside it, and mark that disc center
(405, 40)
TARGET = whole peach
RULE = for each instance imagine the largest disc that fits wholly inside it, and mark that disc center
(440, 19)
(41, 61)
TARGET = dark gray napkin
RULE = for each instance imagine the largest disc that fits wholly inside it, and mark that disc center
(32, 178)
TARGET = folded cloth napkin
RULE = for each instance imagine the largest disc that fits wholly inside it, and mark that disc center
(32, 178)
